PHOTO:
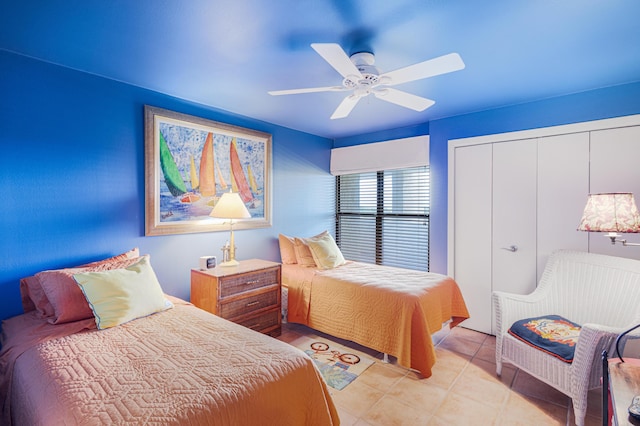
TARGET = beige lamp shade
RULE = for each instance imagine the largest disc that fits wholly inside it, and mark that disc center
(230, 206)
(610, 212)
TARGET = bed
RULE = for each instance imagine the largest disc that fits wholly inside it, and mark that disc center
(392, 310)
(178, 365)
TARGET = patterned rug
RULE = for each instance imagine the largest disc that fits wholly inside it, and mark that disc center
(339, 365)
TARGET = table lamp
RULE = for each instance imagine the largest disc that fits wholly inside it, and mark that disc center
(230, 206)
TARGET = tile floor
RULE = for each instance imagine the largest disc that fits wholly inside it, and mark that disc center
(463, 390)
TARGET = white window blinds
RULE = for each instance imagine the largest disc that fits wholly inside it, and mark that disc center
(383, 217)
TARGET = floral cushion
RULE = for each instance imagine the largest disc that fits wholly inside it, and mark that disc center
(552, 334)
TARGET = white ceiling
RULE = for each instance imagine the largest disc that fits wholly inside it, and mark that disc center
(228, 53)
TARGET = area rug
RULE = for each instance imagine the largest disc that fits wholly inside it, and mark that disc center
(338, 364)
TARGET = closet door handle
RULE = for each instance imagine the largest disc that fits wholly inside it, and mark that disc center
(512, 249)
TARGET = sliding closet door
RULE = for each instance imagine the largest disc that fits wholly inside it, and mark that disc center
(563, 185)
(514, 216)
(472, 232)
(528, 189)
(615, 167)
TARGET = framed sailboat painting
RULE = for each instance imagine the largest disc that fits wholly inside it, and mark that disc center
(190, 162)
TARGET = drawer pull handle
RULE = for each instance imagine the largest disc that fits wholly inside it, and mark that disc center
(252, 282)
(257, 302)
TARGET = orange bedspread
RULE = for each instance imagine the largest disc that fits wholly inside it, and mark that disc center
(391, 310)
(182, 366)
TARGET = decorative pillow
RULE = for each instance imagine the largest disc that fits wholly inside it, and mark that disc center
(552, 334)
(122, 295)
(325, 251)
(303, 252)
(134, 253)
(64, 295)
(33, 295)
(287, 250)
(34, 298)
(27, 303)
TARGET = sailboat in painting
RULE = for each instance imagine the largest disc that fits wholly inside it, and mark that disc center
(193, 174)
(221, 181)
(207, 172)
(252, 180)
(237, 174)
(192, 197)
(172, 176)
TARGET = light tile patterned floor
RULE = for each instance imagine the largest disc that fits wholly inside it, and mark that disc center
(463, 390)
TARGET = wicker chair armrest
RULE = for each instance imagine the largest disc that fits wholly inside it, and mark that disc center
(509, 307)
(594, 339)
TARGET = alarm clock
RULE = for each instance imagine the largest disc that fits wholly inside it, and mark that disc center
(207, 262)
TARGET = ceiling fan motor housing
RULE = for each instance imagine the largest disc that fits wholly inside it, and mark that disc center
(364, 62)
(363, 58)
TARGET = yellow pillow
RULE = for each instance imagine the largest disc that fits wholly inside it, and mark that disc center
(325, 251)
(121, 295)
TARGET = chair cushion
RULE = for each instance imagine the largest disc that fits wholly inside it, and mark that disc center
(552, 334)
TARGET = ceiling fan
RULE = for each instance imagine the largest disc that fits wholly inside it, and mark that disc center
(362, 78)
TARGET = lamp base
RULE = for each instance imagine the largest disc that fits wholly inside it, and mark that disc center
(231, 262)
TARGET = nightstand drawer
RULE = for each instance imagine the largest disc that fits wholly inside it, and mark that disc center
(249, 304)
(240, 283)
(248, 294)
(263, 321)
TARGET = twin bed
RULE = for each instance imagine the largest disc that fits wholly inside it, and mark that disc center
(179, 366)
(392, 310)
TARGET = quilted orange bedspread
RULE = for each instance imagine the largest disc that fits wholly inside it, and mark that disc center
(182, 366)
(391, 310)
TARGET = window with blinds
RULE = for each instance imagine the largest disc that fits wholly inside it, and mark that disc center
(383, 217)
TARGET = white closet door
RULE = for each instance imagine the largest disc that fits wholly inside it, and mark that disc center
(615, 167)
(514, 216)
(563, 185)
(472, 238)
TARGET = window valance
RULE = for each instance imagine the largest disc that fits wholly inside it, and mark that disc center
(388, 155)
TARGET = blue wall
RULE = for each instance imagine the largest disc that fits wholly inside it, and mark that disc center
(72, 176)
(598, 104)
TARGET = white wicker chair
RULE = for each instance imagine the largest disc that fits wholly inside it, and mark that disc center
(602, 293)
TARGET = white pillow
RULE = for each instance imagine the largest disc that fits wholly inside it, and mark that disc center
(121, 295)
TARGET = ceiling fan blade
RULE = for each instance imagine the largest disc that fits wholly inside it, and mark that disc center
(407, 100)
(345, 107)
(337, 58)
(432, 67)
(308, 90)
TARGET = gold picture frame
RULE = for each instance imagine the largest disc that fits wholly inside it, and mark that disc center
(191, 161)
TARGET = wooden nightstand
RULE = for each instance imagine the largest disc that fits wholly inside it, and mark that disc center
(247, 294)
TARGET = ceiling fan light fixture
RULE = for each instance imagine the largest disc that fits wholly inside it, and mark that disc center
(351, 81)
